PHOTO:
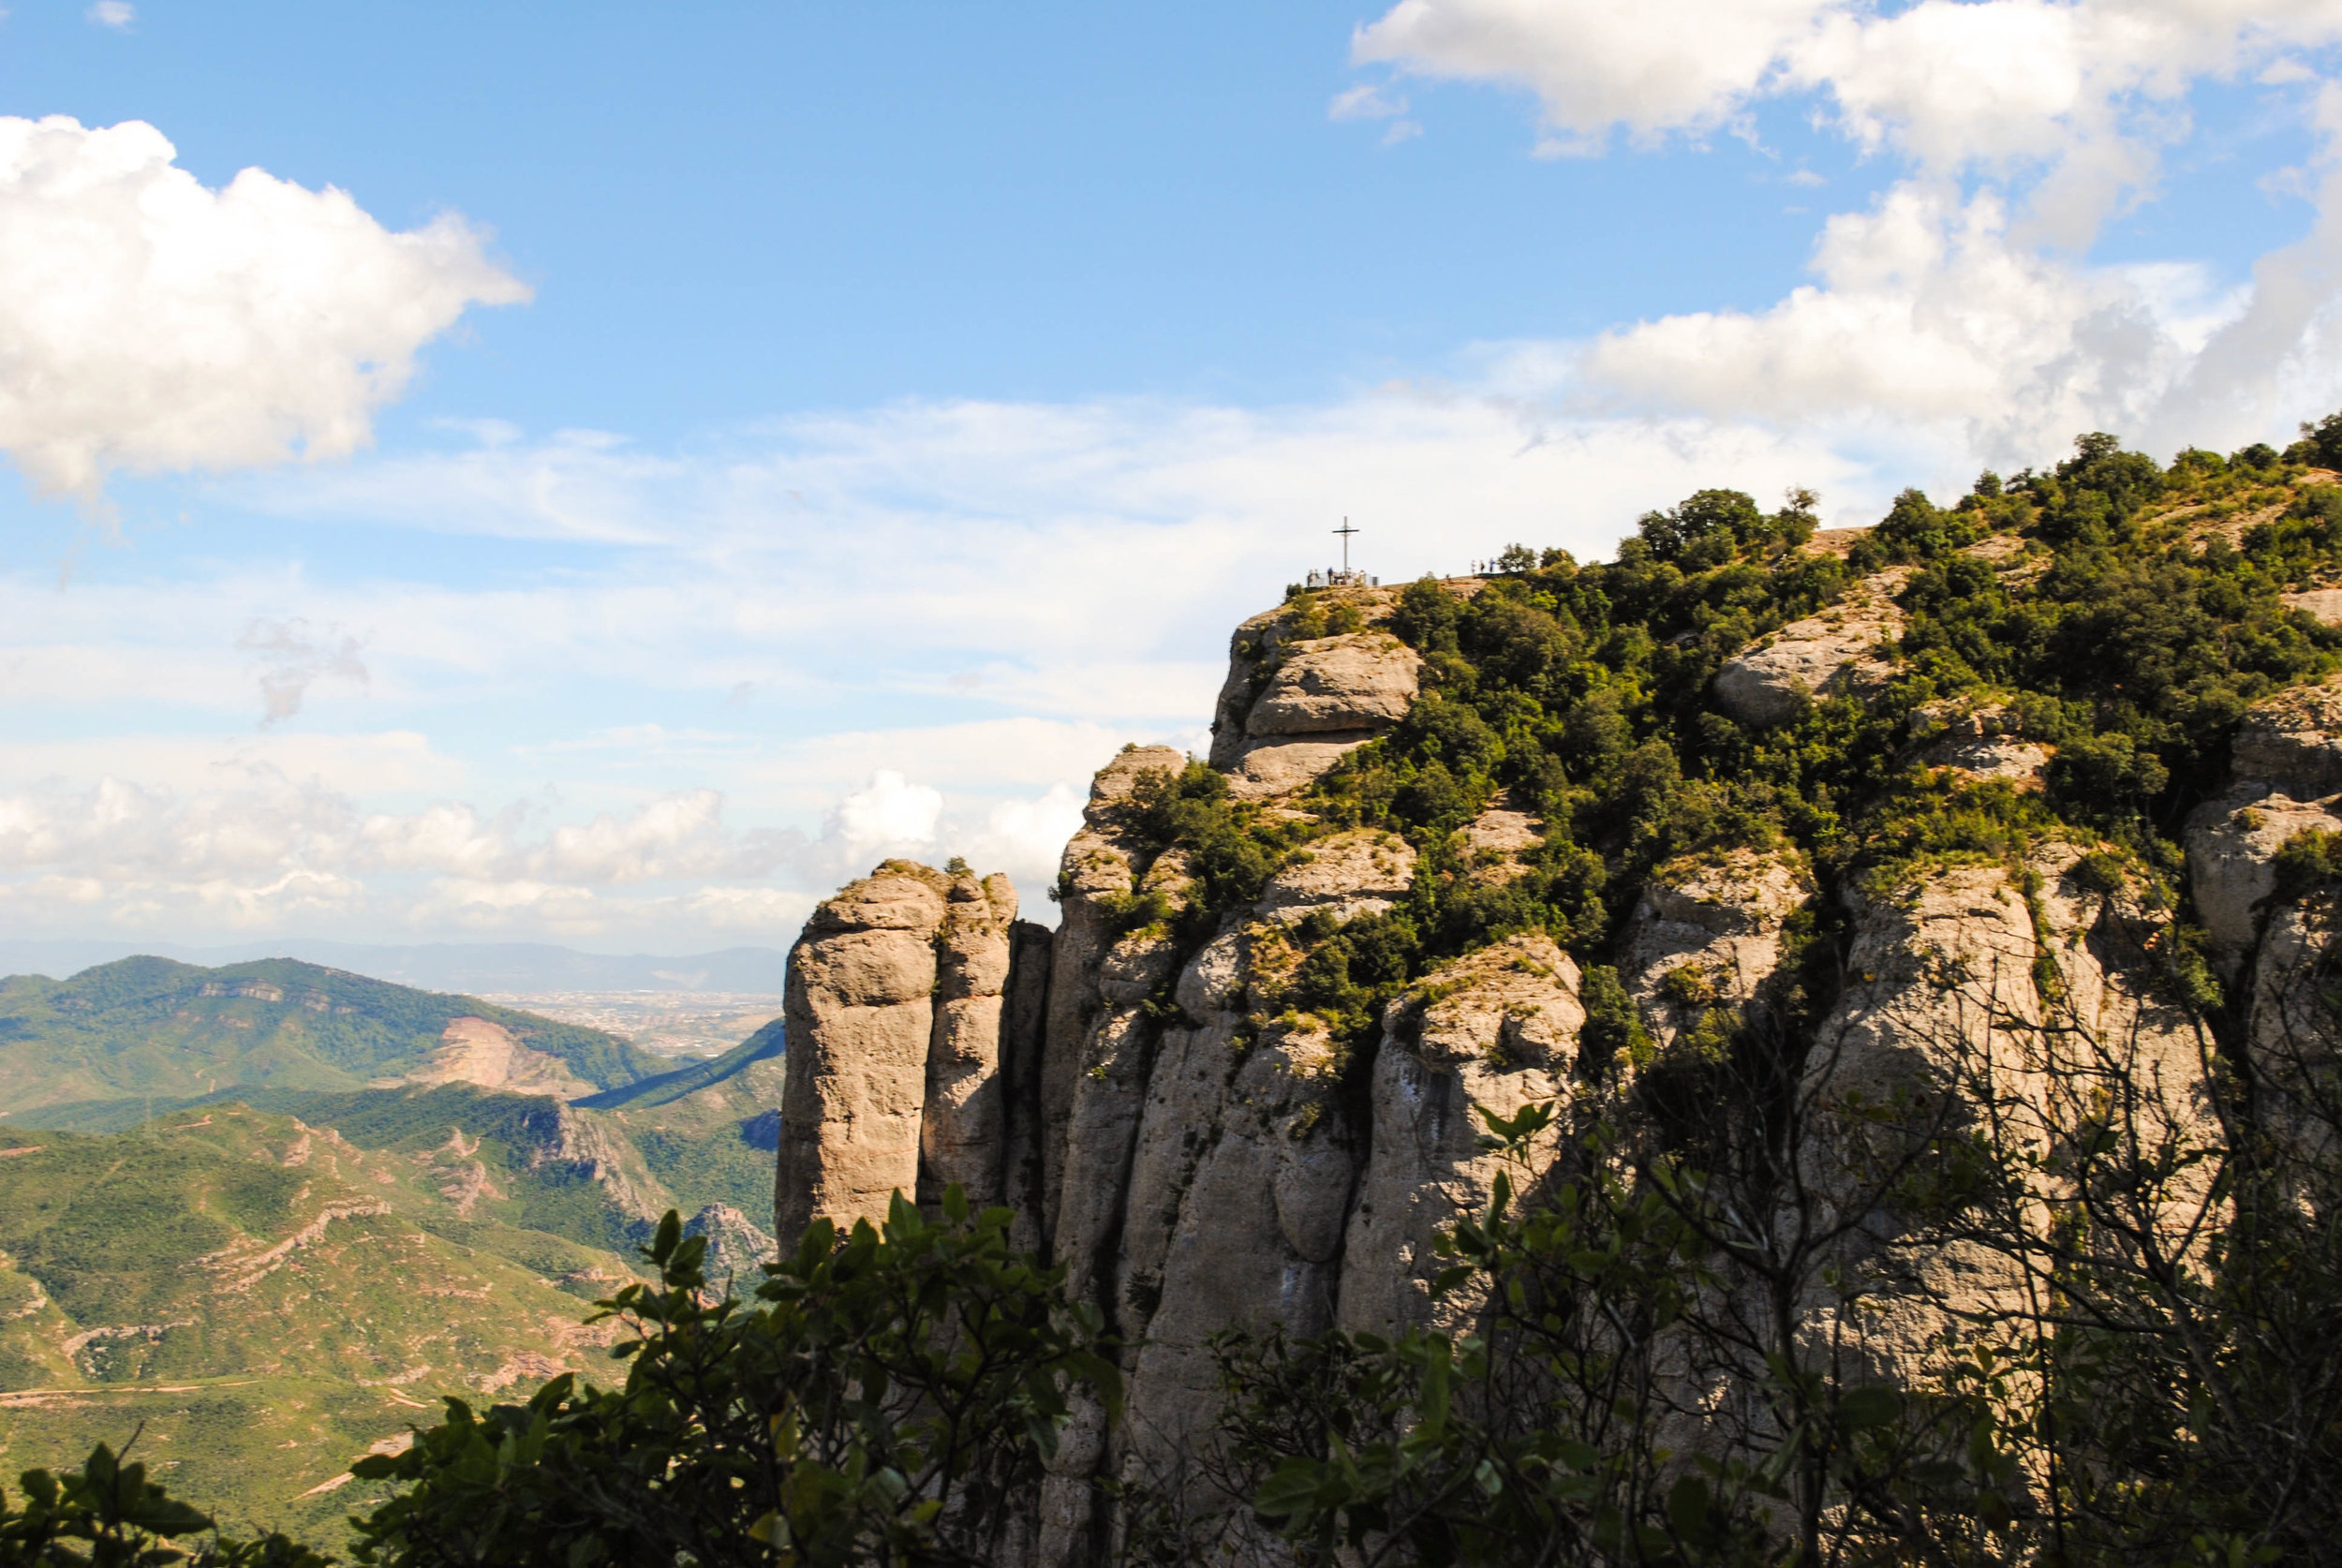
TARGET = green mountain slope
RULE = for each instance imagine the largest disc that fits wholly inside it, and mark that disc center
(268, 1298)
(267, 1279)
(150, 1026)
(716, 1140)
(765, 1044)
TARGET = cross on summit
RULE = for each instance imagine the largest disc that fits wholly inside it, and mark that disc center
(1342, 576)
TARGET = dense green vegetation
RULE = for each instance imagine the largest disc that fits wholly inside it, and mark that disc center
(2121, 626)
(820, 1423)
(150, 1026)
(255, 1297)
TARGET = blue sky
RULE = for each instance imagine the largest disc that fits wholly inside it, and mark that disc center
(707, 448)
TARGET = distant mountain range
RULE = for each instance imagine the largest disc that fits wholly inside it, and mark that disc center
(459, 967)
(152, 1028)
(266, 1213)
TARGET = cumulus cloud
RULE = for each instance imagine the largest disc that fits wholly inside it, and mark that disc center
(1960, 308)
(150, 323)
(261, 851)
(1661, 66)
(887, 816)
(1926, 311)
(1027, 837)
(116, 14)
(1952, 83)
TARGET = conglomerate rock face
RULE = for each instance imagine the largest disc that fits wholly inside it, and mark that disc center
(1772, 682)
(1200, 1156)
(894, 1007)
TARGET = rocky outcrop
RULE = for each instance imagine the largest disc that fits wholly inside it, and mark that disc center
(1978, 1007)
(962, 1128)
(1706, 932)
(2233, 845)
(1837, 650)
(1174, 1128)
(1497, 1028)
(860, 1008)
(736, 1245)
(1292, 707)
(2293, 742)
(1982, 741)
(2276, 944)
(893, 1012)
(476, 1051)
(1345, 876)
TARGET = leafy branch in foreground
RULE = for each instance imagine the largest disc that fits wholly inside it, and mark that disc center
(889, 1399)
(108, 1515)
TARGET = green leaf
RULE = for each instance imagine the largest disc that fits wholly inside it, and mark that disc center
(1871, 1405)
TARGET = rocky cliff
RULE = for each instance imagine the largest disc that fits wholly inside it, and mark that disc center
(1810, 868)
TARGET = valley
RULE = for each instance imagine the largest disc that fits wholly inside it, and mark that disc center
(263, 1217)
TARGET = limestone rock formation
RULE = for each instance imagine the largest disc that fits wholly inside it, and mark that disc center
(736, 1245)
(2233, 845)
(1974, 1003)
(1832, 651)
(2293, 741)
(1496, 1029)
(1291, 707)
(963, 1125)
(894, 1007)
(1707, 933)
(1148, 1092)
(476, 1051)
(1347, 876)
(1982, 741)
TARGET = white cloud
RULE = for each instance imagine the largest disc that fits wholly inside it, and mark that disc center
(889, 816)
(1956, 314)
(1026, 839)
(1366, 101)
(116, 14)
(1926, 311)
(680, 837)
(1952, 83)
(293, 658)
(264, 852)
(148, 323)
(1653, 68)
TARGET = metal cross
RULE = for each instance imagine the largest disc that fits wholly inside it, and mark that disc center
(1345, 531)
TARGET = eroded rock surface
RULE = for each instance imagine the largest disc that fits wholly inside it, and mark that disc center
(1292, 707)
(1496, 1029)
(1707, 933)
(1345, 876)
(896, 997)
(1834, 651)
(1973, 1004)
(2233, 845)
(963, 1123)
(1363, 680)
(1983, 741)
(1200, 1152)
(860, 1008)
(475, 1051)
(2293, 741)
